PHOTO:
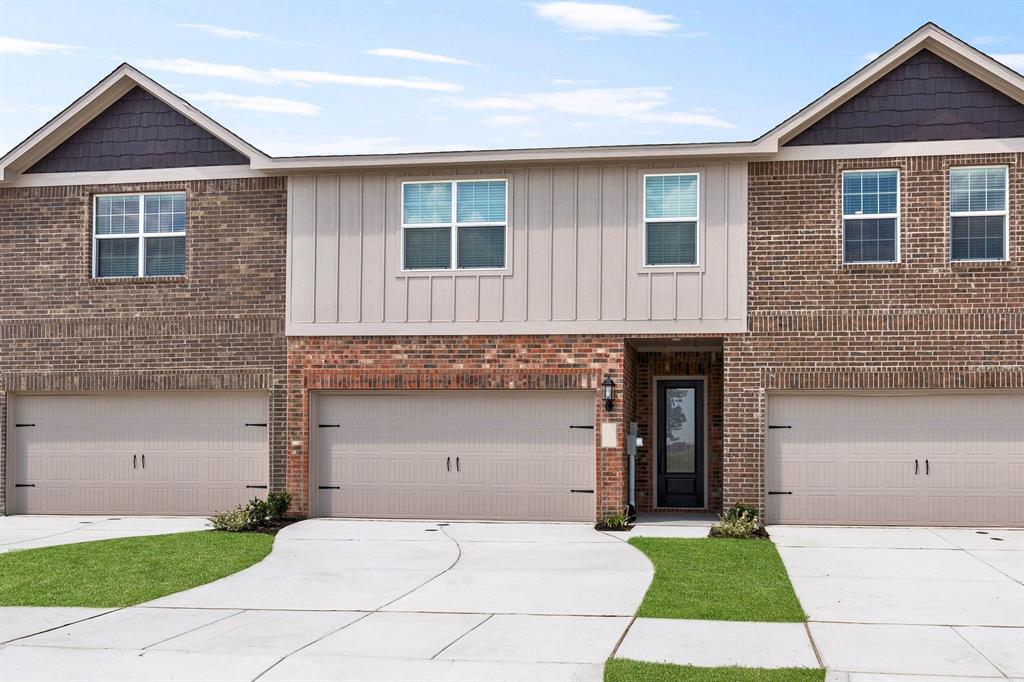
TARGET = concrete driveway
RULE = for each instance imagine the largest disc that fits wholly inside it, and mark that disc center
(27, 532)
(364, 600)
(924, 602)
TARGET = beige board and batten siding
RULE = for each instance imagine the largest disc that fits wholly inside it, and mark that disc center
(575, 258)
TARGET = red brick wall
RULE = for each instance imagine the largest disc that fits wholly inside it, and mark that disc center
(924, 323)
(219, 326)
(651, 366)
(460, 363)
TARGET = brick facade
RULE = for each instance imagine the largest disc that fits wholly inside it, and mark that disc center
(816, 324)
(221, 326)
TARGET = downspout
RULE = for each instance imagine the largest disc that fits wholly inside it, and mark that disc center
(631, 455)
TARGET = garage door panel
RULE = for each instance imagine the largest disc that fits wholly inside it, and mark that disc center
(85, 452)
(479, 455)
(949, 459)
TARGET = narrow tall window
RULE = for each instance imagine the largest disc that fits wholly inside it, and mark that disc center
(871, 207)
(139, 235)
(978, 213)
(464, 220)
(671, 216)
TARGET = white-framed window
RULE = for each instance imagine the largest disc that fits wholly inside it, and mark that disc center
(871, 216)
(978, 213)
(458, 224)
(138, 235)
(671, 219)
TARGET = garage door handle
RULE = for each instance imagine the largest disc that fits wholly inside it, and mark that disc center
(24, 485)
(458, 467)
(449, 465)
(581, 490)
(915, 467)
(780, 492)
(329, 487)
(582, 426)
(143, 461)
(135, 461)
(927, 468)
(261, 487)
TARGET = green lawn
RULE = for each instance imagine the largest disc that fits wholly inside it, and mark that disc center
(625, 670)
(125, 571)
(717, 579)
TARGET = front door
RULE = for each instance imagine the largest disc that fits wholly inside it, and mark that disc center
(680, 443)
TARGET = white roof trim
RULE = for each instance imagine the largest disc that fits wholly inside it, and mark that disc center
(93, 103)
(930, 37)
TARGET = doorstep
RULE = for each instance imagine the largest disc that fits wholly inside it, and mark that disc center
(671, 525)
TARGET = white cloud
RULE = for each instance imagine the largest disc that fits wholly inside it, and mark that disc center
(1014, 60)
(871, 56)
(605, 18)
(232, 71)
(416, 56)
(268, 105)
(32, 47)
(277, 76)
(636, 104)
(223, 32)
(509, 119)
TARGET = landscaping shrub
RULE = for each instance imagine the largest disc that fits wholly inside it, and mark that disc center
(614, 522)
(739, 521)
(259, 511)
(279, 504)
(255, 514)
(234, 520)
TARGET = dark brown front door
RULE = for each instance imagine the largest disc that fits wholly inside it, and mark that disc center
(680, 443)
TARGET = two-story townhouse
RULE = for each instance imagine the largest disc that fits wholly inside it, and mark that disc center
(825, 321)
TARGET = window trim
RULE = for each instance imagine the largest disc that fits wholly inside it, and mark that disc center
(140, 235)
(696, 219)
(453, 264)
(950, 214)
(898, 231)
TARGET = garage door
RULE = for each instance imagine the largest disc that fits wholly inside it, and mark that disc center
(457, 455)
(911, 459)
(139, 453)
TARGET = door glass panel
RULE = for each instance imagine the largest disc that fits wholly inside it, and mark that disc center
(680, 441)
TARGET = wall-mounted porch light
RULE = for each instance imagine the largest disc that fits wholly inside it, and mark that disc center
(608, 390)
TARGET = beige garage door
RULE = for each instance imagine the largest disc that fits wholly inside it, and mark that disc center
(139, 453)
(910, 459)
(457, 455)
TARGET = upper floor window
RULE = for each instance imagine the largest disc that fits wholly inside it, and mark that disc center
(139, 235)
(671, 214)
(871, 207)
(467, 218)
(978, 213)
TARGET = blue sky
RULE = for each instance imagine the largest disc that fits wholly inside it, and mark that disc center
(376, 77)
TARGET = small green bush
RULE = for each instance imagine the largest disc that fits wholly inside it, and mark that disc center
(234, 520)
(738, 511)
(278, 504)
(614, 522)
(259, 511)
(738, 521)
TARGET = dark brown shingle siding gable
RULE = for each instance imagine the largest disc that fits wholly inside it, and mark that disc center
(137, 132)
(924, 98)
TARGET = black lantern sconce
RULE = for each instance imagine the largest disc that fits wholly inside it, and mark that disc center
(608, 390)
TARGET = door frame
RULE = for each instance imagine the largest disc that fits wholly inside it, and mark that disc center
(653, 450)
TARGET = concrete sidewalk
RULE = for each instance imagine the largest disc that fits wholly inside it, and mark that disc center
(365, 600)
(28, 532)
